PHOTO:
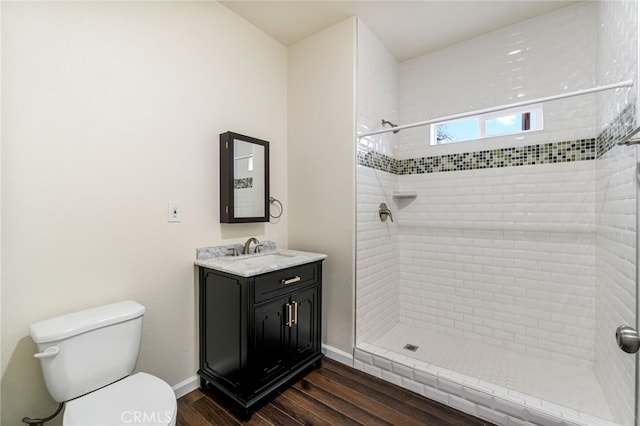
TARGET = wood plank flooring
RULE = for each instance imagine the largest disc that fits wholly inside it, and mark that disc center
(332, 395)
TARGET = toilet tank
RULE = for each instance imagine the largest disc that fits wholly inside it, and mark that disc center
(86, 350)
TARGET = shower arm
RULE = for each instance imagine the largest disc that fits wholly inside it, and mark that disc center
(390, 124)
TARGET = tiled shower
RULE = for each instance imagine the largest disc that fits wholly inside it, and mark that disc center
(511, 260)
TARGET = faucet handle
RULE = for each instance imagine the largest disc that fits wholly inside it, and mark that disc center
(234, 251)
(258, 248)
(384, 212)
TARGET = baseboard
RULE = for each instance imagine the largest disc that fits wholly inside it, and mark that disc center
(186, 386)
(337, 355)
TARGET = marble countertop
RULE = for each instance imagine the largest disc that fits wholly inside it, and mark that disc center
(250, 265)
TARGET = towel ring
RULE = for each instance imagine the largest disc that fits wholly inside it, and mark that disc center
(274, 201)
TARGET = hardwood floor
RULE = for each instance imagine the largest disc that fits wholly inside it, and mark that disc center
(334, 394)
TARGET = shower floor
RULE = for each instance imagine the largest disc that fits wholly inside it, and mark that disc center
(567, 385)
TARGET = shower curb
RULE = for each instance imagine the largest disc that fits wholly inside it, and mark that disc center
(472, 396)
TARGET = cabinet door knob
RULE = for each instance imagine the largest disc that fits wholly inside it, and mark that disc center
(290, 280)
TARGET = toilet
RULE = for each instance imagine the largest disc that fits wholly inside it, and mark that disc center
(87, 358)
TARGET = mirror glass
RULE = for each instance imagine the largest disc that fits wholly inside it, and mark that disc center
(248, 186)
(244, 178)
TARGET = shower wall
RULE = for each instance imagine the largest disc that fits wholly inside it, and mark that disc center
(527, 243)
(539, 57)
(501, 249)
(505, 256)
(616, 204)
(488, 254)
(377, 292)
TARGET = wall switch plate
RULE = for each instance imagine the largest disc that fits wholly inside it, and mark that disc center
(174, 213)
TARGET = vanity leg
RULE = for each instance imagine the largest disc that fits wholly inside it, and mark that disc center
(245, 414)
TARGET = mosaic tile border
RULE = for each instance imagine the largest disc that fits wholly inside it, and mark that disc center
(622, 126)
(243, 183)
(370, 158)
(555, 152)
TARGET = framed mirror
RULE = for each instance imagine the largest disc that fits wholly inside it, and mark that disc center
(244, 179)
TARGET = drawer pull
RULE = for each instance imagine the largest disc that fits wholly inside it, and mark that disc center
(290, 320)
(295, 312)
(290, 280)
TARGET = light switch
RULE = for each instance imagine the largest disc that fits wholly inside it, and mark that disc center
(174, 212)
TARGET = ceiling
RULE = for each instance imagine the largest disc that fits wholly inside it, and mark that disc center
(407, 28)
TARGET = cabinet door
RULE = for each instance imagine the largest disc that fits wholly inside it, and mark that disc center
(220, 326)
(270, 339)
(304, 336)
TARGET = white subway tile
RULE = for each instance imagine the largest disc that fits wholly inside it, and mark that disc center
(517, 257)
(462, 405)
(374, 371)
(491, 415)
(514, 409)
(449, 386)
(436, 395)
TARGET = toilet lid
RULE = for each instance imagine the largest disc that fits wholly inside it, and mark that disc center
(141, 400)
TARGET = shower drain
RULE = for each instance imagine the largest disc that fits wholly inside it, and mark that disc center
(411, 347)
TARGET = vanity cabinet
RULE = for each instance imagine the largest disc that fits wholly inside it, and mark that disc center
(257, 333)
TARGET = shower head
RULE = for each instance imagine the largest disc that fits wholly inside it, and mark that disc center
(390, 124)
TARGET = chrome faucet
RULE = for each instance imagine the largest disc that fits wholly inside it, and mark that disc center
(247, 246)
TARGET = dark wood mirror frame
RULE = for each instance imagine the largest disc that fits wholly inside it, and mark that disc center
(228, 193)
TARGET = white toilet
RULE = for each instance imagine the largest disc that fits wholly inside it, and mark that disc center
(87, 358)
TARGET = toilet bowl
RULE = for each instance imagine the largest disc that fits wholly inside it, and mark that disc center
(87, 361)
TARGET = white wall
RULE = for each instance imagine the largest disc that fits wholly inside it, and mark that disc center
(112, 110)
(321, 159)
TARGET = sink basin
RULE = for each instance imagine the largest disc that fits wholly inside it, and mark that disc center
(264, 259)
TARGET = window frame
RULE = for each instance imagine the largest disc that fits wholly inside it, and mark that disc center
(536, 123)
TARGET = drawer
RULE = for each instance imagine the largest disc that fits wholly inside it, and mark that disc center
(279, 282)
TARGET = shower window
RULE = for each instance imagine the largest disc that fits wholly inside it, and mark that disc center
(507, 122)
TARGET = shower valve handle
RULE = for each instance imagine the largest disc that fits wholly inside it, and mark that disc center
(384, 212)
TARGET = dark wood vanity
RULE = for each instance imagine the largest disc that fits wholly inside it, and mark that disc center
(259, 332)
